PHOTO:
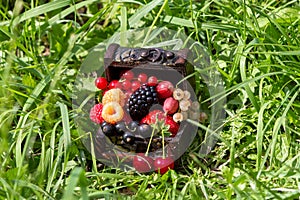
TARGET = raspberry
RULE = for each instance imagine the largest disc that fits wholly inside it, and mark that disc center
(114, 95)
(112, 112)
(96, 113)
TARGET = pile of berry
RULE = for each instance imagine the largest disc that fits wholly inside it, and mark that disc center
(141, 114)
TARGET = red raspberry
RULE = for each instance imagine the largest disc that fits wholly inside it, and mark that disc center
(96, 113)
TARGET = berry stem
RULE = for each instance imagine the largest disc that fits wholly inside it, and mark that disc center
(151, 137)
(163, 143)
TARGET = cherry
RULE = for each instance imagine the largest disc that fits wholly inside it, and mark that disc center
(142, 163)
(126, 85)
(135, 85)
(128, 75)
(114, 84)
(101, 83)
(142, 77)
(163, 165)
(152, 81)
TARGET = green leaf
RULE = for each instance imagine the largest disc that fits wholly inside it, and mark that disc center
(142, 12)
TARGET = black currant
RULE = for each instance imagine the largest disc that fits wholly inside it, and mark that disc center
(108, 130)
(133, 125)
(128, 138)
(120, 128)
(103, 124)
(145, 130)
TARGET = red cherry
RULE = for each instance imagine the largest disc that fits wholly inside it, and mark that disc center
(142, 163)
(126, 85)
(135, 85)
(101, 83)
(128, 75)
(114, 84)
(142, 77)
(152, 81)
(163, 165)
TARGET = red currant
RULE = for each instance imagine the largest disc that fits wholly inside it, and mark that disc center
(101, 83)
(114, 84)
(142, 163)
(152, 81)
(135, 85)
(126, 85)
(163, 165)
(142, 77)
(128, 75)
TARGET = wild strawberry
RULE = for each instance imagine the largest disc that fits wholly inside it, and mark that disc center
(170, 105)
(164, 89)
(96, 113)
(173, 126)
(151, 117)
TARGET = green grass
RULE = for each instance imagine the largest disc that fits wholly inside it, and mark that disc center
(254, 45)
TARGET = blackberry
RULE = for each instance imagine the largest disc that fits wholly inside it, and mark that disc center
(141, 101)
